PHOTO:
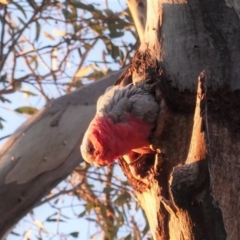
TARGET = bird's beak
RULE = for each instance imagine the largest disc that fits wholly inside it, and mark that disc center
(86, 157)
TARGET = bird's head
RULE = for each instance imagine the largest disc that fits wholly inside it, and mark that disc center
(98, 142)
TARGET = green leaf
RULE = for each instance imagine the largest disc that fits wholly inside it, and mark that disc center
(82, 214)
(111, 234)
(89, 186)
(125, 183)
(114, 52)
(108, 190)
(111, 48)
(54, 220)
(33, 4)
(103, 211)
(68, 15)
(121, 24)
(116, 34)
(26, 110)
(4, 99)
(28, 93)
(77, 27)
(123, 198)
(33, 59)
(38, 30)
(20, 8)
(87, 46)
(146, 229)
(91, 220)
(74, 234)
(109, 12)
(97, 28)
(128, 237)
(76, 84)
(49, 217)
(14, 233)
(20, 20)
(95, 75)
(1, 120)
(88, 7)
(121, 55)
(89, 206)
(3, 78)
(97, 14)
(64, 216)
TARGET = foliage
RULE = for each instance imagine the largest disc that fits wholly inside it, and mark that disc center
(100, 196)
(50, 48)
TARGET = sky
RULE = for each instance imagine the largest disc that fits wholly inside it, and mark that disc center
(19, 99)
(70, 205)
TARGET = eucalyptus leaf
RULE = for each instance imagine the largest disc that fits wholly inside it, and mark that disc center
(74, 234)
(26, 110)
(19, 8)
(88, 7)
(38, 30)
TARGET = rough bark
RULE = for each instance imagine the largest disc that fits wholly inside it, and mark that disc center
(189, 36)
(190, 190)
(44, 150)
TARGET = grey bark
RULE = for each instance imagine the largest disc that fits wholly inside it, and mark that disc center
(196, 201)
(44, 151)
(189, 36)
(194, 193)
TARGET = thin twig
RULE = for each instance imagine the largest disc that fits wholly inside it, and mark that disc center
(2, 35)
(1, 138)
(18, 35)
(83, 57)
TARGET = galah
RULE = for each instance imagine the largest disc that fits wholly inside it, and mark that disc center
(125, 118)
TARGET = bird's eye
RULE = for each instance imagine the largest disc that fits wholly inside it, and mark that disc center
(90, 148)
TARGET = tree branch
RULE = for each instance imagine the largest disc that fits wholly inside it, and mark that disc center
(18, 35)
(138, 9)
(55, 148)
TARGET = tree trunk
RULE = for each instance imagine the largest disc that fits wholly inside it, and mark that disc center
(190, 189)
(44, 151)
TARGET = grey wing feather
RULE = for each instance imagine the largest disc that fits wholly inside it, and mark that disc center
(131, 98)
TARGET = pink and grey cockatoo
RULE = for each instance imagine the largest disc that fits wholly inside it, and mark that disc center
(124, 120)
